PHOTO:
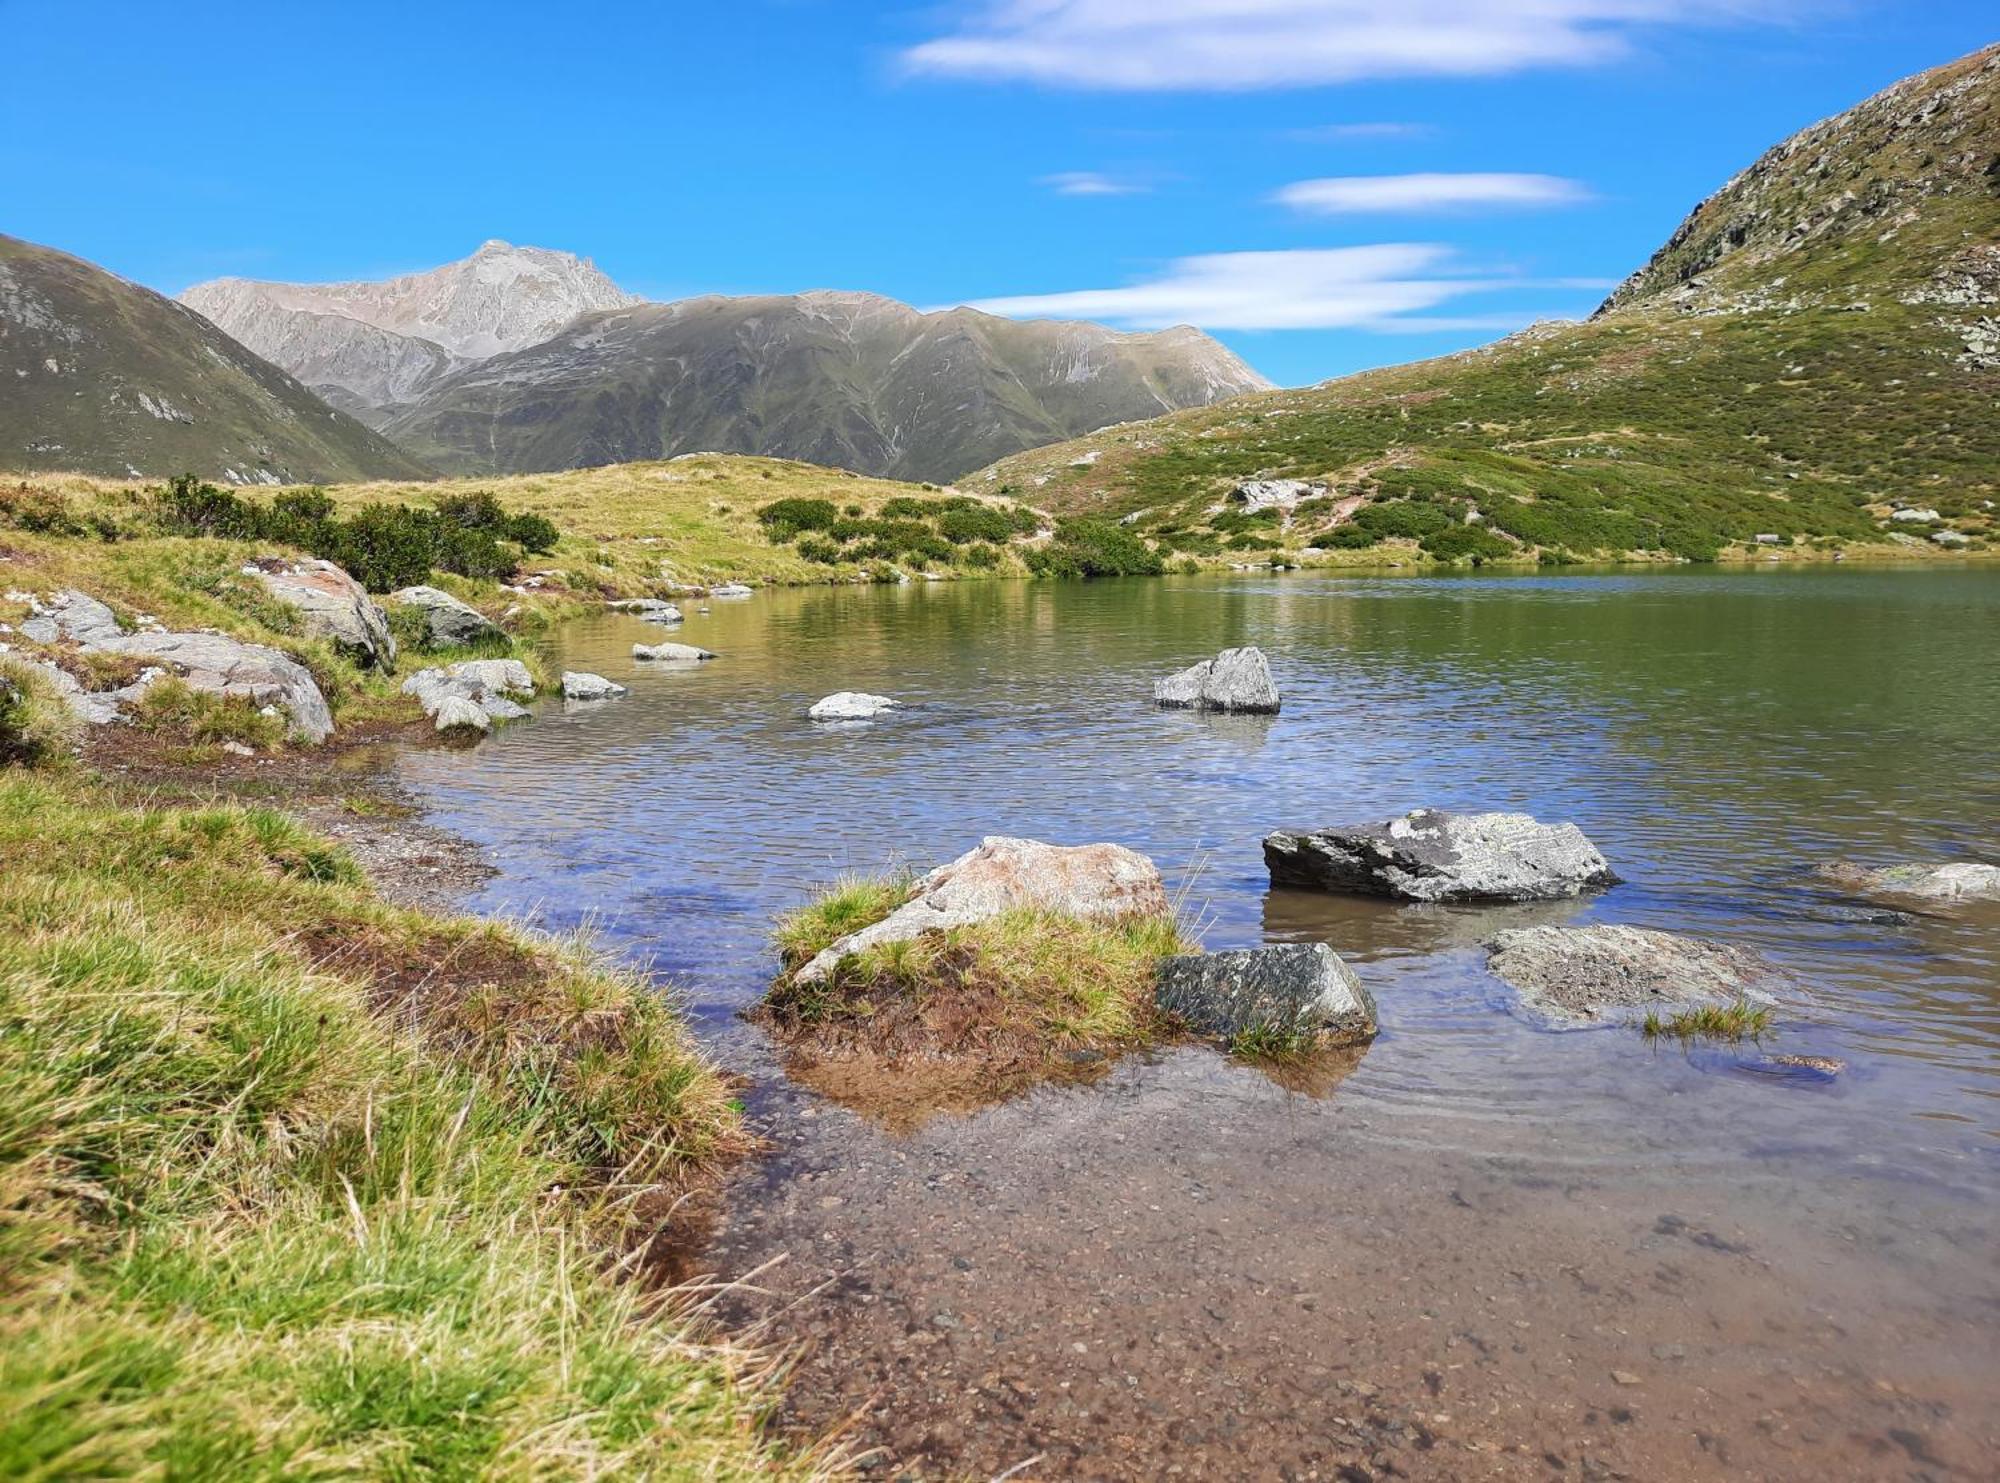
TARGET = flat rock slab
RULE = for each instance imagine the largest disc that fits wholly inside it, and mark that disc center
(851, 705)
(1956, 880)
(1091, 880)
(1432, 856)
(676, 653)
(1234, 680)
(447, 621)
(225, 666)
(1300, 988)
(1576, 978)
(73, 616)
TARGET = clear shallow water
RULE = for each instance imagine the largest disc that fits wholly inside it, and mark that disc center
(1717, 734)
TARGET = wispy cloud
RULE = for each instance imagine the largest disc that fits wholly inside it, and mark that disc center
(1356, 133)
(1350, 195)
(1372, 288)
(1091, 183)
(1229, 45)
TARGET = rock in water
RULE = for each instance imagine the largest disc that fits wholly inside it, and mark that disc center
(1572, 978)
(647, 609)
(330, 605)
(730, 589)
(851, 705)
(1234, 680)
(458, 714)
(447, 620)
(1299, 988)
(1431, 856)
(1092, 880)
(685, 653)
(1957, 880)
(577, 685)
(489, 684)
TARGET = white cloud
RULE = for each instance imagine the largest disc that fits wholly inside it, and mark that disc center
(1227, 45)
(1090, 183)
(1326, 288)
(1349, 133)
(1348, 195)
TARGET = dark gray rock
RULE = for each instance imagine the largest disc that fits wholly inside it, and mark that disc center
(1431, 856)
(1234, 680)
(447, 621)
(1300, 988)
(1574, 978)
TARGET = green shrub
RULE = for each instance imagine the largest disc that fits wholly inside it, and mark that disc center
(786, 518)
(980, 556)
(1457, 541)
(818, 548)
(1086, 547)
(979, 523)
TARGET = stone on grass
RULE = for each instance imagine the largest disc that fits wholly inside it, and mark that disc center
(1234, 680)
(461, 715)
(674, 653)
(447, 621)
(851, 705)
(1297, 989)
(1955, 880)
(1573, 978)
(331, 605)
(577, 685)
(1431, 856)
(1104, 881)
(73, 616)
(217, 665)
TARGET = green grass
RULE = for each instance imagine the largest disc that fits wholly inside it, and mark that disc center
(849, 904)
(1272, 1044)
(36, 727)
(294, 1182)
(1731, 1022)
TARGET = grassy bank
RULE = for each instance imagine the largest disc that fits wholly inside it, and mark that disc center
(295, 1181)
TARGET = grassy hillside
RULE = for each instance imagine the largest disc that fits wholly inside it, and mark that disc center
(106, 377)
(1817, 346)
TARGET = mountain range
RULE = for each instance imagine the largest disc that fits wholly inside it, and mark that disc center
(519, 359)
(1813, 356)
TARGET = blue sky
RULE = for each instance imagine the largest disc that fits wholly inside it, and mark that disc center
(1324, 184)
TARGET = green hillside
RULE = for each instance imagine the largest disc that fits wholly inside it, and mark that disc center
(1815, 348)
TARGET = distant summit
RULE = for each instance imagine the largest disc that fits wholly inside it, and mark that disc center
(519, 359)
(373, 346)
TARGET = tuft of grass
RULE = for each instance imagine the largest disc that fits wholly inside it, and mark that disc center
(849, 904)
(172, 709)
(1272, 1044)
(1730, 1022)
(294, 1182)
(37, 726)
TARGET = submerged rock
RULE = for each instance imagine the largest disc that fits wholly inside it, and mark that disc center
(729, 589)
(647, 609)
(1573, 978)
(684, 653)
(1297, 989)
(331, 605)
(1427, 855)
(447, 621)
(578, 685)
(851, 705)
(1955, 880)
(1092, 880)
(1234, 680)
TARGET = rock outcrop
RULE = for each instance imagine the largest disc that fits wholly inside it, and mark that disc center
(1234, 680)
(1956, 880)
(331, 605)
(1296, 990)
(1432, 856)
(1571, 978)
(1003, 873)
(448, 623)
(851, 705)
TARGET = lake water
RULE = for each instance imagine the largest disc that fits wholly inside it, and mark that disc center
(1477, 1249)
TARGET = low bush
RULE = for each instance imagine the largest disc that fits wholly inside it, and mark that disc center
(786, 518)
(1086, 547)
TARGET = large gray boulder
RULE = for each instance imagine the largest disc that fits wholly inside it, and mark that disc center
(1234, 680)
(1092, 880)
(462, 717)
(1956, 880)
(673, 653)
(1431, 856)
(331, 605)
(1298, 989)
(219, 665)
(1573, 978)
(447, 621)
